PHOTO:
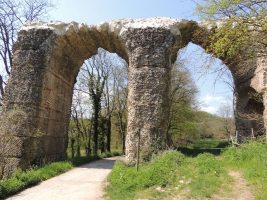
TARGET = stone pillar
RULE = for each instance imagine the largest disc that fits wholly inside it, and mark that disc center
(19, 135)
(149, 53)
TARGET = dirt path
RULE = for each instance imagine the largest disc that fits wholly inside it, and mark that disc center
(81, 183)
(240, 190)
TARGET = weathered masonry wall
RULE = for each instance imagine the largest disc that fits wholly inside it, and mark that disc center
(47, 59)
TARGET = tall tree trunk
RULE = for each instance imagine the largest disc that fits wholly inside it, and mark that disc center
(72, 141)
(78, 146)
(95, 138)
(123, 143)
(102, 142)
(108, 132)
(122, 131)
(1, 87)
(88, 146)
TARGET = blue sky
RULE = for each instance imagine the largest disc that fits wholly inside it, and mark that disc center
(211, 95)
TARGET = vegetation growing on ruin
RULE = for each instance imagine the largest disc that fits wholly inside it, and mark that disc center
(242, 24)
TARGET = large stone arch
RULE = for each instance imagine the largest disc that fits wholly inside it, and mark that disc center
(47, 58)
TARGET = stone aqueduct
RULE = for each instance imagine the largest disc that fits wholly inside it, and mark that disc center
(47, 58)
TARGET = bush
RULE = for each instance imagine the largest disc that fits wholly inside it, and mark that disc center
(116, 153)
(10, 186)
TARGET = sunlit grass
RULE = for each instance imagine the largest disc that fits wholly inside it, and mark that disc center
(23, 179)
(167, 173)
(251, 160)
(173, 174)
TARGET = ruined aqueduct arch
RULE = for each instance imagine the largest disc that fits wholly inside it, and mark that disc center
(47, 59)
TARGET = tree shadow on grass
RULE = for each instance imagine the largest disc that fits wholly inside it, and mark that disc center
(195, 151)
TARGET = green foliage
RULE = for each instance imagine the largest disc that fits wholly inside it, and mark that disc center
(24, 179)
(126, 182)
(198, 177)
(242, 28)
(203, 175)
(217, 9)
(190, 125)
(10, 186)
(251, 159)
(209, 175)
(20, 180)
(228, 40)
(77, 161)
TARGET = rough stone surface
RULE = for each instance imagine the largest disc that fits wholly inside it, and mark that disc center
(47, 59)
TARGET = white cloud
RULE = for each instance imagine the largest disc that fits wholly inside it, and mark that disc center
(213, 99)
(211, 103)
(209, 109)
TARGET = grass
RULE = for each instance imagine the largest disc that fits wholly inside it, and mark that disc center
(200, 176)
(251, 160)
(168, 173)
(24, 179)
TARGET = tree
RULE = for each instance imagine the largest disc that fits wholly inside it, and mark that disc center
(243, 24)
(226, 113)
(13, 14)
(80, 127)
(181, 123)
(96, 71)
(120, 100)
(114, 95)
(240, 41)
(103, 81)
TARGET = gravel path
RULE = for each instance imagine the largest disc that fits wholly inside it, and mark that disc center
(82, 183)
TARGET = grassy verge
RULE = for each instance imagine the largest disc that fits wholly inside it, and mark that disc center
(21, 180)
(24, 179)
(173, 174)
(251, 160)
(167, 174)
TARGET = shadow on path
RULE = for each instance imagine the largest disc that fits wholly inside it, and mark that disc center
(99, 164)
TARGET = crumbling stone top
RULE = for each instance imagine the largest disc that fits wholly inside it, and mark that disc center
(116, 26)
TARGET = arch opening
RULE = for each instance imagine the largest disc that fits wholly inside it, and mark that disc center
(240, 91)
(99, 105)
